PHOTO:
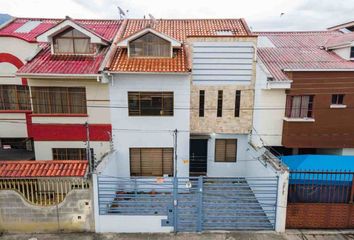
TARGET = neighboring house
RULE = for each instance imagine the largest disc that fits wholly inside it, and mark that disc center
(304, 100)
(62, 89)
(344, 27)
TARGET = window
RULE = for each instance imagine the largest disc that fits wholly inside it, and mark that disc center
(352, 52)
(219, 107)
(338, 99)
(70, 153)
(201, 103)
(299, 107)
(225, 150)
(59, 100)
(71, 41)
(149, 45)
(150, 103)
(151, 161)
(237, 103)
(14, 97)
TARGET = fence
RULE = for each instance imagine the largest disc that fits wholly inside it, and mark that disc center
(195, 203)
(44, 192)
(320, 199)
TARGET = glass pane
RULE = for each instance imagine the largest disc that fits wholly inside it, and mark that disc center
(82, 46)
(64, 45)
(150, 45)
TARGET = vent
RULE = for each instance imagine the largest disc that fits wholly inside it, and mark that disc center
(28, 26)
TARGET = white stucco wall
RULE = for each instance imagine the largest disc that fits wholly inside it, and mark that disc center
(343, 52)
(269, 110)
(43, 149)
(13, 125)
(155, 131)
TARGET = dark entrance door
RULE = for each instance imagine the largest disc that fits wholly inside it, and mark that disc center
(198, 155)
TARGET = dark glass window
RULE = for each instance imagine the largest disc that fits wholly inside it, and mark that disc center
(337, 98)
(201, 103)
(352, 52)
(219, 107)
(237, 103)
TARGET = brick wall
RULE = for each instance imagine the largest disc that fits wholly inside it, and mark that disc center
(75, 213)
(320, 215)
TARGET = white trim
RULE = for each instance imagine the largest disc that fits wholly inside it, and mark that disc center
(47, 36)
(299, 119)
(125, 42)
(286, 84)
(339, 46)
(338, 106)
(319, 70)
(55, 75)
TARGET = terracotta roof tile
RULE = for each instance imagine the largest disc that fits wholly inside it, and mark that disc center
(50, 168)
(300, 50)
(178, 29)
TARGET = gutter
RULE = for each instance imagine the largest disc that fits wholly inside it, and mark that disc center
(51, 75)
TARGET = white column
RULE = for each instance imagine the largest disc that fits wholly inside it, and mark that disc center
(282, 200)
(95, 203)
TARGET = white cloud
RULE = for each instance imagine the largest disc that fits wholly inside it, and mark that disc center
(260, 14)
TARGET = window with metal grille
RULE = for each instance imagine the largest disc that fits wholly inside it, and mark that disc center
(150, 103)
(70, 153)
(151, 161)
(72, 41)
(201, 103)
(225, 150)
(14, 97)
(237, 103)
(219, 107)
(299, 107)
(149, 45)
(59, 100)
(338, 99)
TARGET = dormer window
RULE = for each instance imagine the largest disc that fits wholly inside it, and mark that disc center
(150, 45)
(72, 41)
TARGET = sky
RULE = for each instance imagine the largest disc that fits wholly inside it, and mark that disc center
(261, 15)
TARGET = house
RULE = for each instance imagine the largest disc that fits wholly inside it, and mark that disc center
(60, 83)
(303, 97)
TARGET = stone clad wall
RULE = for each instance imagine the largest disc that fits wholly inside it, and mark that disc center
(75, 213)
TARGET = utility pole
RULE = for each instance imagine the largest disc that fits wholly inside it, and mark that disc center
(88, 149)
(175, 151)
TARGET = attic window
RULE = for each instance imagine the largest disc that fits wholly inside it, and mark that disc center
(224, 33)
(28, 26)
(149, 45)
(72, 41)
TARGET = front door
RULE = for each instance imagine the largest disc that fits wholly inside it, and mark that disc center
(198, 155)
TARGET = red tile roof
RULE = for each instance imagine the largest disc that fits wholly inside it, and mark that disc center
(178, 29)
(104, 28)
(342, 39)
(299, 50)
(50, 168)
(47, 63)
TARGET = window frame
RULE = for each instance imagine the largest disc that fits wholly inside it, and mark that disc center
(219, 103)
(225, 160)
(140, 149)
(92, 46)
(237, 103)
(140, 94)
(289, 106)
(51, 108)
(337, 99)
(81, 152)
(201, 103)
(148, 56)
(6, 104)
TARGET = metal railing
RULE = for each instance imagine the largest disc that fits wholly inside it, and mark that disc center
(321, 187)
(44, 192)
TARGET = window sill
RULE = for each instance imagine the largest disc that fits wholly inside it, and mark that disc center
(338, 106)
(59, 115)
(299, 119)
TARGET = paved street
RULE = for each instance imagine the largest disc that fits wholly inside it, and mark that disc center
(290, 235)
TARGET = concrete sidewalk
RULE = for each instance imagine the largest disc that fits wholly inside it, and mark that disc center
(289, 235)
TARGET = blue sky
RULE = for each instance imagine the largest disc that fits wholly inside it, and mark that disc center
(260, 14)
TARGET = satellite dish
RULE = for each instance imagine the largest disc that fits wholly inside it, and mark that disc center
(121, 12)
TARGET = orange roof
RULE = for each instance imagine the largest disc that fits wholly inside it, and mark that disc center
(49, 168)
(178, 29)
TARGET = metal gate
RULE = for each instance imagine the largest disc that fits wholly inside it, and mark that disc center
(194, 204)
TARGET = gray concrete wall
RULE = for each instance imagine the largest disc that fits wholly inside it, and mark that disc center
(18, 215)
